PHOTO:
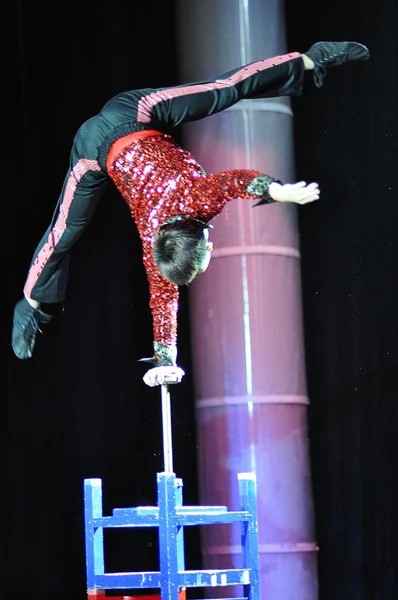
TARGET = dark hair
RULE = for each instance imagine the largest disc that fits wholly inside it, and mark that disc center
(179, 249)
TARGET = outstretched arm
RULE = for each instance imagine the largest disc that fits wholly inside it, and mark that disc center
(298, 193)
(220, 188)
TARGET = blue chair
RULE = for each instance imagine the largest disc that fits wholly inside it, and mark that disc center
(170, 516)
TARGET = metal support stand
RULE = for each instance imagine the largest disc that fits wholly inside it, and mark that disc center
(166, 425)
(170, 516)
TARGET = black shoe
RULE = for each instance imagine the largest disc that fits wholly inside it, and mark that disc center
(26, 324)
(334, 54)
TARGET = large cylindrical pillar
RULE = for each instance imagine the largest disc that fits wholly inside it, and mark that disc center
(246, 314)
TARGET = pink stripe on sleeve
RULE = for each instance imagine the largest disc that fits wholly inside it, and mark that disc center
(79, 170)
(146, 104)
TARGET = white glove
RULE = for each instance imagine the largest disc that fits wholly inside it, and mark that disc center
(156, 376)
(299, 193)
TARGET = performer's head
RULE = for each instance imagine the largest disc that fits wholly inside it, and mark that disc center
(181, 249)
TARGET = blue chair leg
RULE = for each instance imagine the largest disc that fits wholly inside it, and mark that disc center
(168, 553)
(180, 529)
(94, 537)
(250, 557)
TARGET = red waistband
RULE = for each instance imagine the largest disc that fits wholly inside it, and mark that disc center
(124, 141)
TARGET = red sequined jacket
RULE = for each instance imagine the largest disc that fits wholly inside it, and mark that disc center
(158, 180)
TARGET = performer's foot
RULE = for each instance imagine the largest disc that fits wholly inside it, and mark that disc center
(332, 54)
(26, 324)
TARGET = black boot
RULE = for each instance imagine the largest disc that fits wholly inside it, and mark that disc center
(333, 54)
(26, 324)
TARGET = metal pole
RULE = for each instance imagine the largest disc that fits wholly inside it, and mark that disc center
(166, 425)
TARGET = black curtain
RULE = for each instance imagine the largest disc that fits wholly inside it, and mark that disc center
(79, 407)
(346, 138)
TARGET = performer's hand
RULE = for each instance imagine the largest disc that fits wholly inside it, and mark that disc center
(157, 375)
(299, 193)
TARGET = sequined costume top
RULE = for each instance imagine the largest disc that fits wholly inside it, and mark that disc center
(159, 180)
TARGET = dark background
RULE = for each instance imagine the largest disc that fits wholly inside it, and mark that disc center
(79, 407)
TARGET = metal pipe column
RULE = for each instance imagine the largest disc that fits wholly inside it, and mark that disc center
(246, 314)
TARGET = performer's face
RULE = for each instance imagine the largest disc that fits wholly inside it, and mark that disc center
(206, 260)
